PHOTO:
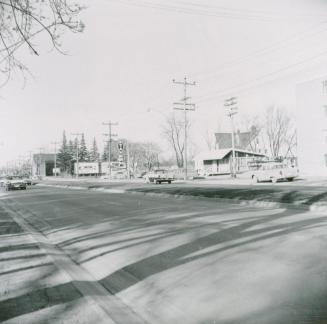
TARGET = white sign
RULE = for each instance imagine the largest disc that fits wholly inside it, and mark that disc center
(56, 170)
(86, 168)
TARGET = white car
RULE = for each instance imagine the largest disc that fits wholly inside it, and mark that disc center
(13, 182)
(274, 171)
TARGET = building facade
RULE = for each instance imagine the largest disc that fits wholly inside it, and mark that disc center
(217, 162)
(43, 164)
(311, 119)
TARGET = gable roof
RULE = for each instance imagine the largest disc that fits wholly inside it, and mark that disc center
(220, 154)
(242, 139)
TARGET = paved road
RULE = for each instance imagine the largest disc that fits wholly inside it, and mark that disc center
(164, 260)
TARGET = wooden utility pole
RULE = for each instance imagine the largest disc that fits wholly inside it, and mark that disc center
(110, 136)
(232, 109)
(185, 106)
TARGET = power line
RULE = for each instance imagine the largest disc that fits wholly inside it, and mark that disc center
(228, 90)
(246, 11)
(266, 50)
(276, 46)
(210, 12)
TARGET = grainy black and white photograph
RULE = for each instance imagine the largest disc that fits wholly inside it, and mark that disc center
(163, 162)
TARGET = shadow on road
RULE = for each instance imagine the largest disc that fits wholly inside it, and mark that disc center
(206, 232)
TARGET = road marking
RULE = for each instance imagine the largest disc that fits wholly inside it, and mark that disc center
(117, 312)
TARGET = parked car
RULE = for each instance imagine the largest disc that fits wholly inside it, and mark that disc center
(274, 171)
(13, 182)
(36, 177)
(159, 176)
(28, 181)
(3, 181)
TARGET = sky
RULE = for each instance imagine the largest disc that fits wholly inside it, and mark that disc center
(122, 66)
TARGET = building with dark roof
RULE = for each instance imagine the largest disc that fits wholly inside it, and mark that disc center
(243, 140)
(220, 161)
(43, 164)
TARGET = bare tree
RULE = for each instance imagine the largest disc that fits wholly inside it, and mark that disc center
(173, 131)
(143, 155)
(291, 144)
(21, 21)
(279, 131)
(136, 156)
(253, 125)
(210, 140)
(151, 155)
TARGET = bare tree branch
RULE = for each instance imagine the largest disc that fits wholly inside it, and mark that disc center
(173, 131)
(279, 131)
(22, 20)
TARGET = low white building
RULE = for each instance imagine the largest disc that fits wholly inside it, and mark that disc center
(220, 161)
(311, 118)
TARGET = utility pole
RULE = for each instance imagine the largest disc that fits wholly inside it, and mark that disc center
(55, 157)
(231, 108)
(128, 160)
(185, 106)
(77, 153)
(39, 162)
(110, 135)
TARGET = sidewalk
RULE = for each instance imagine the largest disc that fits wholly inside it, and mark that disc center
(33, 289)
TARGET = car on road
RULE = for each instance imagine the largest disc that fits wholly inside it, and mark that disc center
(273, 171)
(159, 176)
(13, 182)
(28, 181)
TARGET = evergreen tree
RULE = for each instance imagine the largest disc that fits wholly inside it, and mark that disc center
(114, 149)
(63, 157)
(94, 152)
(72, 155)
(104, 156)
(83, 153)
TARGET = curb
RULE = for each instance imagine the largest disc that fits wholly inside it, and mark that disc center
(318, 207)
